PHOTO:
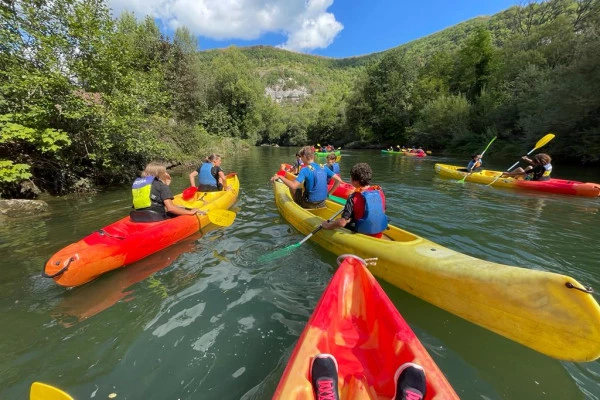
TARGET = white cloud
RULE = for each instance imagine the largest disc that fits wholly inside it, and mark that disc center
(306, 23)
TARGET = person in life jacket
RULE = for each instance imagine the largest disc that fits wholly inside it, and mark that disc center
(310, 186)
(539, 169)
(210, 175)
(475, 163)
(332, 165)
(364, 211)
(152, 197)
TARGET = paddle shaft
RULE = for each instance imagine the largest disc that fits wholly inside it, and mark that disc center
(318, 228)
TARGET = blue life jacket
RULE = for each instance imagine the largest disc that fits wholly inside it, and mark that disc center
(140, 190)
(318, 191)
(205, 176)
(335, 167)
(374, 219)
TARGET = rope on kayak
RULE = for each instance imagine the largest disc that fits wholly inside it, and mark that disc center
(585, 289)
(366, 262)
(45, 275)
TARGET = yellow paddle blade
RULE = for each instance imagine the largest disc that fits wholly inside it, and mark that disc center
(221, 217)
(544, 140)
(42, 391)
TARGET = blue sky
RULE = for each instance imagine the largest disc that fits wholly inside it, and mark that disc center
(332, 28)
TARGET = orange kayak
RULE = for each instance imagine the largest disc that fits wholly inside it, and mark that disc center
(124, 242)
(358, 324)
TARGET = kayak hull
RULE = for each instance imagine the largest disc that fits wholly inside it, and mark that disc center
(557, 186)
(124, 242)
(536, 308)
(357, 323)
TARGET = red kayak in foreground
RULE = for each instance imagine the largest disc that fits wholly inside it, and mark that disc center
(358, 324)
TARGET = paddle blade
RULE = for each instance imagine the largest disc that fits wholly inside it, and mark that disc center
(42, 391)
(188, 193)
(543, 141)
(279, 253)
(221, 217)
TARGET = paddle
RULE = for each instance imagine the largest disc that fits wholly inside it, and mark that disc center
(42, 391)
(189, 193)
(287, 250)
(540, 143)
(482, 153)
(221, 217)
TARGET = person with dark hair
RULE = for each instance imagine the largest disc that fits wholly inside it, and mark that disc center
(210, 175)
(364, 211)
(152, 197)
(475, 163)
(297, 164)
(539, 169)
(310, 186)
(332, 164)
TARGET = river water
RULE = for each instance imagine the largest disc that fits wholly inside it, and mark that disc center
(204, 320)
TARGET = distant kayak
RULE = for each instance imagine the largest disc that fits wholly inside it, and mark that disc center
(391, 152)
(326, 153)
(357, 323)
(558, 186)
(125, 242)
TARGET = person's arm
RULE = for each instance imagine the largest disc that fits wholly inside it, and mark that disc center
(173, 209)
(336, 183)
(343, 220)
(193, 176)
(223, 180)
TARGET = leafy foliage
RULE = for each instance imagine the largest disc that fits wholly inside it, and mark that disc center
(85, 96)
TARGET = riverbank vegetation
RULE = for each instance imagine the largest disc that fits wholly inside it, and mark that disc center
(86, 99)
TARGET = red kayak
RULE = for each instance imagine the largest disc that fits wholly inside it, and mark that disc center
(358, 324)
(124, 242)
(343, 190)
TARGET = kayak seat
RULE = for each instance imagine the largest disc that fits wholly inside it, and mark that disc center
(146, 216)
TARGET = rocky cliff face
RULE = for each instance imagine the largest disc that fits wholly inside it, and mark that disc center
(285, 90)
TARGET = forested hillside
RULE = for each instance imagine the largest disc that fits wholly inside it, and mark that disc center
(87, 100)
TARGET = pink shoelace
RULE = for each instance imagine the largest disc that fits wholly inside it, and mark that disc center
(410, 395)
(325, 390)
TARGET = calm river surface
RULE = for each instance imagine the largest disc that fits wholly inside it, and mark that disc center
(204, 320)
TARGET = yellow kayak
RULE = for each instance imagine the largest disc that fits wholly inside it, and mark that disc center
(548, 312)
(552, 185)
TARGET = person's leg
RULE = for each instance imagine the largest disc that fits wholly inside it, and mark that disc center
(410, 382)
(515, 172)
(324, 377)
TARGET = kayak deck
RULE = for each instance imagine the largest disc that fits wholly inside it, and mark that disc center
(357, 323)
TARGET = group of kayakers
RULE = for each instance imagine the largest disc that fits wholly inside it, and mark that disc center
(152, 196)
(364, 211)
(539, 168)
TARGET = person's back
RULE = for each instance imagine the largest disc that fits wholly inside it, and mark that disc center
(310, 186)
(364, 211)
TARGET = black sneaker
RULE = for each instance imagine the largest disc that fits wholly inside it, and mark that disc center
(410, 382)
(324, 377)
